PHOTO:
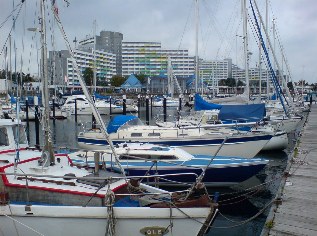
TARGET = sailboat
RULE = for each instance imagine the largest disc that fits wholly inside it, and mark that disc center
(45, 194)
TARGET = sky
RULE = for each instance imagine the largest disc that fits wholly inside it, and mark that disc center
(171, 22)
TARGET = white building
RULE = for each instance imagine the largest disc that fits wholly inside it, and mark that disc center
(150, 58)
(65, 73)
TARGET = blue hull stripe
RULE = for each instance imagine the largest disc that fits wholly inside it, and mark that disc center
(180, 142)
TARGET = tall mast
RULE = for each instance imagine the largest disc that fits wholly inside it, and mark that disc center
(47, 152)
(196, 47)
(245, 44)
(95, 67)
(268, 48)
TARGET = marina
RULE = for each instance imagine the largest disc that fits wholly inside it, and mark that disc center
(237, 204)
(107, 136)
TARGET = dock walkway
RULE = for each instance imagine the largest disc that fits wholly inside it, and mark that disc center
(296, 212)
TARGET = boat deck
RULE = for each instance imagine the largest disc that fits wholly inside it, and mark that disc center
(295, 212)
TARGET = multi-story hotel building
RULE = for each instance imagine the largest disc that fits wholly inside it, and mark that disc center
(107, 41)
(62, 71)
(151, 59)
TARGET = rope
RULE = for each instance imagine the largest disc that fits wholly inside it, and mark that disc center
(111, 222)
(201, 176)
(242, 222)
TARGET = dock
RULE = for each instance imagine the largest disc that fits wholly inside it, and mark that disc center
(294, 211)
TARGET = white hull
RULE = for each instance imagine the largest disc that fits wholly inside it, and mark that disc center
(287, 125)
(277, 142)
(92, 221)
(242, 149)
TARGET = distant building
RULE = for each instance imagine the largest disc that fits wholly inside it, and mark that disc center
(215, 70)
(151, 59)
(62, 71)
(107, 41)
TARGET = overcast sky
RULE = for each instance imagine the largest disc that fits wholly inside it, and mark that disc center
(172, 22)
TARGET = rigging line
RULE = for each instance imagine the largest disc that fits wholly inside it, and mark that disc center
(15, 19)
(246, 197)
(83, 85)
(274, 78)
(259, 185)
(183, 33)
(28, 227)
(15, 225)
(245, 221)
(9, 16)
(283, 52)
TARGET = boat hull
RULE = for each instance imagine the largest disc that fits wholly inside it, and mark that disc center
(246, 147)
(278, 142)
(214, 176)
(76, 220)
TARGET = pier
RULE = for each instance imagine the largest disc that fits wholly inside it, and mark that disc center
(294, 211)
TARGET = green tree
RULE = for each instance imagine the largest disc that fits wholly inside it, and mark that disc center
(231, 82)
(240, 83)
(117, 80)
(88, 75)
(222, 82)
(142, 78)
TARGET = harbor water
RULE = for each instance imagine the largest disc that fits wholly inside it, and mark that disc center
(242, 209)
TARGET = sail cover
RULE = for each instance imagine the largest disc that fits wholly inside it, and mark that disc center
(201, 104)
(248, 112)
(240, 112)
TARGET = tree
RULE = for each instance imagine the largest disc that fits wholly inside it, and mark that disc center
(142, 78)
(240, 83)
(88, 75)
(117, 80)
(222, 82)
(231, 82)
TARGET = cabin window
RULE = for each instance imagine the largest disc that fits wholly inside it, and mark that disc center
(154, 134)
(4, 137)
(136, 134)
(139, 157)
(21, 136)
(167, 157)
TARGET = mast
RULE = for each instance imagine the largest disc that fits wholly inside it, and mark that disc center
(196, 47)
(245, 44)
(268, 48)
(170, 87)
(95, 67)
(47, 152)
